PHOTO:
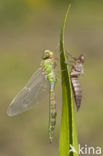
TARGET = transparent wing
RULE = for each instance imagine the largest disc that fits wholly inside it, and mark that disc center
(34, 91)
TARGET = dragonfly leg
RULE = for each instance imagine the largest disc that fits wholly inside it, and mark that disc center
(68, 63)
(62, 70)
(71, 61)
(68, 54)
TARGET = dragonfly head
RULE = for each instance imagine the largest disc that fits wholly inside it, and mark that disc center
(47, 54)
(82, 58)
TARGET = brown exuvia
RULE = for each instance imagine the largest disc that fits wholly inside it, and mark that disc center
(76, 71)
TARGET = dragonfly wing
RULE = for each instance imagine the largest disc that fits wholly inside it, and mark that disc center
(34, 91)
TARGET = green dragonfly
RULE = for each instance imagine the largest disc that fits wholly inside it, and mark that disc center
(40, 84)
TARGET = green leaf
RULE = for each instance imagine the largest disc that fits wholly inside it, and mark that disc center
(68, 134)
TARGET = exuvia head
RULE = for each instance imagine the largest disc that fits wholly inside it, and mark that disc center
(82, 58)
(47, 54)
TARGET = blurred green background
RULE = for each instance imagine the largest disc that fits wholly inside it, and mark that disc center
(26, 28)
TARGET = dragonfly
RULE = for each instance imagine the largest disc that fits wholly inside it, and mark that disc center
(40, 84)
(76, 71)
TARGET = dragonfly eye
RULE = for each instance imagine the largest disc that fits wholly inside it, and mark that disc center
(82, 58)
(47, 54)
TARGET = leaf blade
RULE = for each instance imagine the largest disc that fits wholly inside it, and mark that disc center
(68, 129)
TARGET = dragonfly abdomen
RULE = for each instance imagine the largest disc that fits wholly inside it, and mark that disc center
(49, 69)
(52, 111)
(77, 91)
